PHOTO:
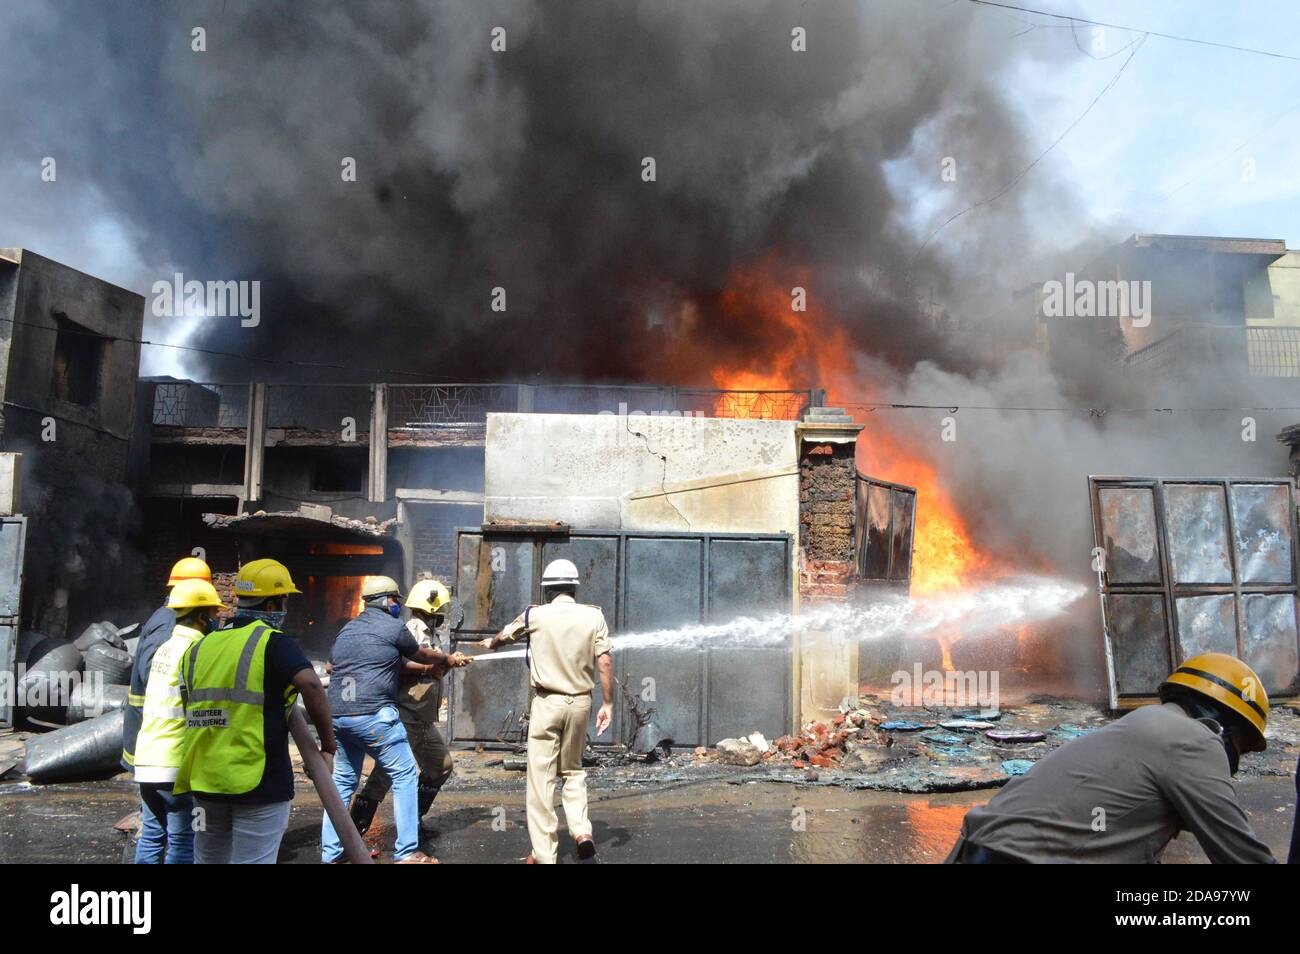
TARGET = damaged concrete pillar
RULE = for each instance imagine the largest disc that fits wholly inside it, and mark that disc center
(378, 483)
(826, 667)
(255, 443)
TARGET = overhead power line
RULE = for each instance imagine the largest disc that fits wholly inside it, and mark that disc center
(1135, 45)
(1117, 26)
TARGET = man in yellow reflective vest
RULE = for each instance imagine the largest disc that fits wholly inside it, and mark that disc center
(159, 743)
(154, 840)
(239, 685)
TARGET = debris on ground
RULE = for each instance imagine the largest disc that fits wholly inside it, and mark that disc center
(88, 750)
(1016, 737)
(875, 745)
(967, 725)
(738, 752)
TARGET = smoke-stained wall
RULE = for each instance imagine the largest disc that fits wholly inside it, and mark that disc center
(69, 407)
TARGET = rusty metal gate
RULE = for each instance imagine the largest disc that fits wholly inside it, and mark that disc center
(644, 582)
(1191, 566)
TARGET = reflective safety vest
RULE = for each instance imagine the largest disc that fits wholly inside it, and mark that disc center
(159, 745)
(223, 683)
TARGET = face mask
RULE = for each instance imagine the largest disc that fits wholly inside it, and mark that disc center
(395, 610)
(274, 618)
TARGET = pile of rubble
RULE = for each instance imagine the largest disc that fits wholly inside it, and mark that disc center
(872, 744)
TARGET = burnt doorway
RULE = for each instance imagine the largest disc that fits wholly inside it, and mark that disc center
(328, 562)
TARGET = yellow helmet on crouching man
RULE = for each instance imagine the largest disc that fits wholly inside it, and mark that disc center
(1228, 682)
(430, 596)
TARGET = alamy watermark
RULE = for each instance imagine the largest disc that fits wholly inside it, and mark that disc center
(936, 687)
(1086, 298)
(22, 688)
(177, 298)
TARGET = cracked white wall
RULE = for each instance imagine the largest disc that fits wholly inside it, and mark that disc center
(637, 472)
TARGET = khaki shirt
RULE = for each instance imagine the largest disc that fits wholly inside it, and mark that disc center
(565, 637)
(1119, 795)
(421, 695)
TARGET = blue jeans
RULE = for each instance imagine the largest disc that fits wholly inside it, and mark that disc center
(382, 736)
(167, 825)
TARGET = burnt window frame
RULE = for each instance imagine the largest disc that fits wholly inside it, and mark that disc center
(861, 535)
(75, 345)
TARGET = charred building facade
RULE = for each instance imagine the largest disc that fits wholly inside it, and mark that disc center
(69, 357)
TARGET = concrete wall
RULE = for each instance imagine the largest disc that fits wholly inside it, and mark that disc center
(46, 289)
(1284, 286)
(76, 462)
(643, 473)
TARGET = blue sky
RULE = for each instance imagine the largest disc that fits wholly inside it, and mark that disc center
(1179, 113)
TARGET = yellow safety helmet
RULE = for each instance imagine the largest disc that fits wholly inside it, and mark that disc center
(189, 568)
(373, 586)
(189, 594)
(1229, 682)
(428, 595)
(265, 577)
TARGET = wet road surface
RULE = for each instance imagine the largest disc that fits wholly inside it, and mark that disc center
(708, 819)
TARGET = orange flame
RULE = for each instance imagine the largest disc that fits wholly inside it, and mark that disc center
(943, 557)
(805, 347)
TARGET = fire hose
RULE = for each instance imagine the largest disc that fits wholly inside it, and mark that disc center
(354, 849)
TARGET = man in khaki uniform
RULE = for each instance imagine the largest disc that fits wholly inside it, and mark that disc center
(1120, 794)
(567, 641)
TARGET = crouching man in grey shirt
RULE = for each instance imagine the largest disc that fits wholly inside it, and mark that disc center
(1122, 793)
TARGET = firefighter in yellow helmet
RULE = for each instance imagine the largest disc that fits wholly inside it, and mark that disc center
(155, 842)
(1120, 794)
(239, 685)
(366, 663)
(418, 702)
(160, 741)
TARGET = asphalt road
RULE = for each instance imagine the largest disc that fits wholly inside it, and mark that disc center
(480, 819)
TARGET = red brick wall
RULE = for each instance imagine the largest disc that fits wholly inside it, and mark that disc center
(827, 481)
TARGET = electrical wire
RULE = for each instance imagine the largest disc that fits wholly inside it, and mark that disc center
(1116, 26)
(1136, 45)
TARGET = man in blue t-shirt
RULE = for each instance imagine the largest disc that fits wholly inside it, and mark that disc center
(365, 662)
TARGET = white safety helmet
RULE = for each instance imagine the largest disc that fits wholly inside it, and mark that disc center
(560, 573)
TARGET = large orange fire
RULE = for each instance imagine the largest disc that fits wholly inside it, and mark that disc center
(807, 346)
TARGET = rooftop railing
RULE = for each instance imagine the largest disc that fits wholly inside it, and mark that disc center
(1270, 351)
(324, 406)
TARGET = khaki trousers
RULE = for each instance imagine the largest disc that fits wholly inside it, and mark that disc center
(557, 733)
